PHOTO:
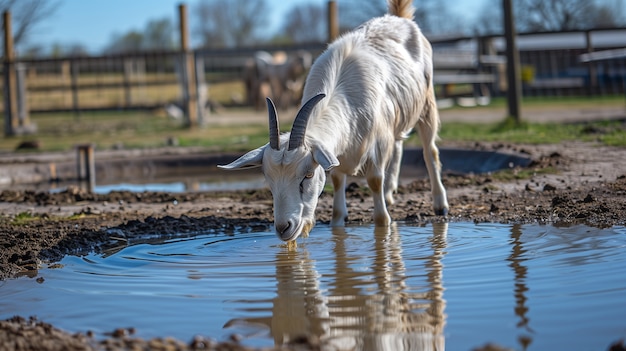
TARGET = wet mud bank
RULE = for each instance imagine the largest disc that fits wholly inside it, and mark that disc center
(572, 183)
(561, 184)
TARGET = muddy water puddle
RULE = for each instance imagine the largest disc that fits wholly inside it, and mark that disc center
(187, 184)
(193, 173)
(447, 286)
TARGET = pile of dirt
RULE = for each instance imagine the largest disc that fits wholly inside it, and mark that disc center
(21, 334)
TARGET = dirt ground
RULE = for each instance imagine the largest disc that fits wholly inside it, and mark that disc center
(568, 183)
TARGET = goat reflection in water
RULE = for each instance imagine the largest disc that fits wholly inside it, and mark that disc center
(346, 315)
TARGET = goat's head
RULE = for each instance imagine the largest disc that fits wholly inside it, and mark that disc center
(294, 170)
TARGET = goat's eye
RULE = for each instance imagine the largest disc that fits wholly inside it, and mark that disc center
(309, 175)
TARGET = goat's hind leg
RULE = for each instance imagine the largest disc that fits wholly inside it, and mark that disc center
(428, 127)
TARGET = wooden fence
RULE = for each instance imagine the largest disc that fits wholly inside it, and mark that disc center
(571, 65)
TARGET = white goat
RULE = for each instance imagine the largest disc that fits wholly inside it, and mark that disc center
(362, 97)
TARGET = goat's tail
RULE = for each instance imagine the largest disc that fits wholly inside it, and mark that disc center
(401, 8)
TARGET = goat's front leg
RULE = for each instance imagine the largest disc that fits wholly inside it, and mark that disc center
(381, 216)
(340, 209)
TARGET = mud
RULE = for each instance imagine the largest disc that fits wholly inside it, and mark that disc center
(565, 184)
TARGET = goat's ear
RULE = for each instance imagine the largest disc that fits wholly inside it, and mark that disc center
(325, 157)
(251, 159)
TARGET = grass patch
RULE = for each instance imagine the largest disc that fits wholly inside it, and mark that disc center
(606, 132)
(24, 218)
(133, 129)
(507, 175)
(570, 101)
(147, 129)
(551, 102)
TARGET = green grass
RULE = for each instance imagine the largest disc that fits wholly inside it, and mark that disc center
(62, 131)
(550, 102)
(23, 218)
(606, 132)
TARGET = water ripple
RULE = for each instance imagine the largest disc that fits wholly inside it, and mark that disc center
(451, 285)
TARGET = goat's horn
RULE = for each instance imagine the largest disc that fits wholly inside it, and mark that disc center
(299, 125)
(274, 132)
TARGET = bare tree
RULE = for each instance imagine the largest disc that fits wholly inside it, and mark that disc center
(607, 14)
(432, 16)
(230, 23)
(551, 15)
(490, 19)
(26, 15)
(354, 12)
(605, 17)
(435, 18)
(305, 23)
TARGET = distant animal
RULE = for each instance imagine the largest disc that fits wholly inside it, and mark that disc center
(279, 76)
(362, 98)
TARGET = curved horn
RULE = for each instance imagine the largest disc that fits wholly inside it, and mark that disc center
(299, 125)
(274, 132)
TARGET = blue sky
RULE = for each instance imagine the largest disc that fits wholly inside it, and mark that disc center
(93, 22)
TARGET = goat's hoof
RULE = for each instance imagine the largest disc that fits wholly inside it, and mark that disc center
(441, 211)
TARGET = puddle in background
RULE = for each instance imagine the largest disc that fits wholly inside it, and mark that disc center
(456, 285)
(189, 185)
(458, 161)
(176, 174)
(173, 184)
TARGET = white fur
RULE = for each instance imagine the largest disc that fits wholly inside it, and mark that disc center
(378, 85)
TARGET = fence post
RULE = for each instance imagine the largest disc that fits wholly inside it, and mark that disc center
(10, 113)
(16, 117)
(484, 47)
(86, 165)
(128, 72)
(333, 21)
(22, 102)
(188, 75)
(202, 89)
(514, 86)
(593, 77)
